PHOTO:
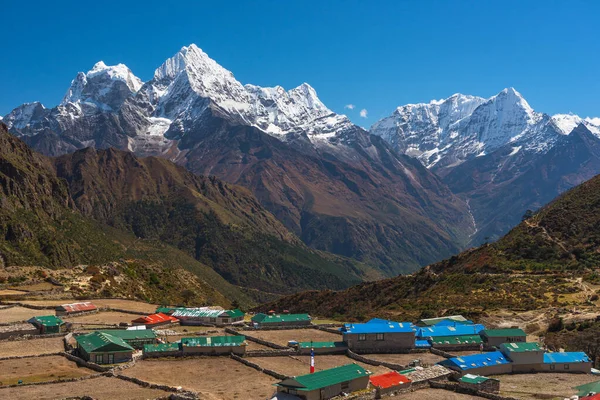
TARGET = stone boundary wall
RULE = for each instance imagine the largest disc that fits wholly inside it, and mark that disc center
(105, 309)
(257, 340)
(257, 367)
(81, 362)
(145, 384)
(441, 353)
(58, 353)
(326, 328)
(81, 378)
(377, 363)
(459, 389)
(270, 353)
(30, 306)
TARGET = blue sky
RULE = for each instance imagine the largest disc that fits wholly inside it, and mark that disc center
(373, 54)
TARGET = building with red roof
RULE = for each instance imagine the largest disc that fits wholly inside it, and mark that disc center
(74, 308)
(158, 319)
(389, 382)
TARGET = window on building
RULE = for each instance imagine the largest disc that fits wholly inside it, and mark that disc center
(225, 320)
(552, 367)
(566, 366)
(111, 358)
(362, 337)
(99, 359)
(213, 320)
(346, 385)
(379, 337)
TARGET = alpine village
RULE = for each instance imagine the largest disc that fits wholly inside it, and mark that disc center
(188, 236)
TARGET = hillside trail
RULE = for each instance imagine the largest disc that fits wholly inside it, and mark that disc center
(533, 224)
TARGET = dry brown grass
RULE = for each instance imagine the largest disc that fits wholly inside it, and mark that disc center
(15, 314)
(10, 292)
(38, 287)
(41, 369)
(129, 305)
(405, 359)
(107, 317)
(31, 347)
(300, 365)
(214, 377)
(102, 388)
(301, 335)
(436, 394)
(542, 386)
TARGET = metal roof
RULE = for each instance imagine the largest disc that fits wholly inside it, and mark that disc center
(521, 347)
(379, 327)
(161, 347)
(388, 380)
(325, 378)
(476, 360)
(463, 339)
(155, 319)
(202, 312)
(585, 389)
(77, 307)
(321, 345)
(102, 342)
(47, 320)
(131, 334)
(213, 341)
(566, 357)
(275, 318)
(504, 332)
(433, 321)
(422, 343)
(458, 330)
(475, 379)
(235, 313)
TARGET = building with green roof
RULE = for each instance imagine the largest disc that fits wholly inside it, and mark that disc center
(48, 324)
(495, 337)
(103, 348)
(136, 338)
(466, 341)
(161, 349)
(526, 357)
(214, 345)
(261, 320)
(206, 315)
(478, 382)
(322, 347)
(326, 384)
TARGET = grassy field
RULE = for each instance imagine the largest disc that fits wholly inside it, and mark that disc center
(301, 335)
(542, 386)
(41, 369)
(300, 365)
(102, 388)
(213, 377)
(405, 359)
(31, 347)
(15, 314)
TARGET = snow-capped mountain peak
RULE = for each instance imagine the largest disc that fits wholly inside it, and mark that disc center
(23, 115)
(567, 122)
(105, 87)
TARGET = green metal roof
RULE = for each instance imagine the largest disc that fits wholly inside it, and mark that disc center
(463, 339)
(325, 378)
(475, 379)
(522, 347)
(161, 347)
(433, 321)
(133, 334)
(320, 345)
(102, 342)
(507, 332)
(165, 310)
(592, 387)
(275, 318)
(213, 341)
(235, 313)
(48, 320)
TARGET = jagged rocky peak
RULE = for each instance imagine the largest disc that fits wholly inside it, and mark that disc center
(106, 87)
(24, 115)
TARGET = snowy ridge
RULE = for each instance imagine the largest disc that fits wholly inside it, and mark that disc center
(445, 133)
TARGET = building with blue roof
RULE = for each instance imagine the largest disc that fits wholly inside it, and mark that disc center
(377, 336)
(422, 344)
(481, 364)
(448, 330)
(576, 361)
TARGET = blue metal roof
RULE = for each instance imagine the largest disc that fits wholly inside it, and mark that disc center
(567, 357)
(422, 343)
(458, 330)
(379, 327)
(476, 360)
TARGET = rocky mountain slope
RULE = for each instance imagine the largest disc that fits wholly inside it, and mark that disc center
(498, 154)
(549, 259)
(330, 182)
(87, 206)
